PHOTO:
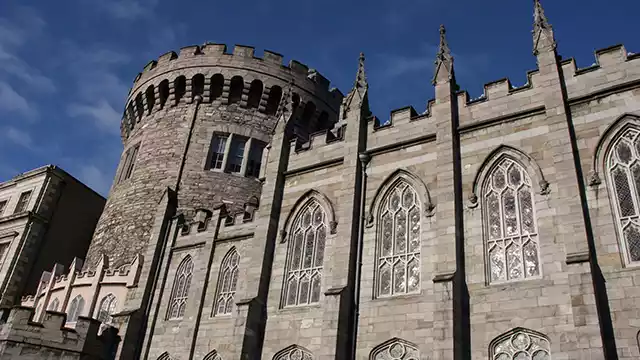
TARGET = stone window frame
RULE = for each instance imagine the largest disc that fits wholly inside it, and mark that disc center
(288, 353)
(539, 186)
(519, 334)
(106, 307)
(75, 308)
(213, 355)
(23, 201)
(53, 304)
(227, 267)
(395, 349)
(4, 205)
(250, 145)
(600, 162)
(128, 166)
(180, 295)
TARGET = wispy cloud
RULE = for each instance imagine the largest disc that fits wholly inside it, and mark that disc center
(18, 137)
(95, 178)
(12, 102)
(105, 117)
(128, 9)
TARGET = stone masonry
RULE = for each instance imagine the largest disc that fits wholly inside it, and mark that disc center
(256, 214)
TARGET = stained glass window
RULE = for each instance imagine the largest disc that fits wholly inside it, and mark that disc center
(398, 242)
(293, 353)
(512, 234)
(108, 306)
(521, 345)
(305, 256)
(75, 309)
(396, 350)
(180, 293)
(624, 178)
(227, 281)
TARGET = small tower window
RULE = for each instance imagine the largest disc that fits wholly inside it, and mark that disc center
(151, 98)
(235, 90)
(307, 114)
(217, 83)
(129, 162)
(163, 92)
(255, 158)
(180, 88)
(218, 147)
(197, 85)
(275, 94)
(139, 106)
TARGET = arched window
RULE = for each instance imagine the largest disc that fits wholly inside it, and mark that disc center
(275, 94)
(295, 99)
(520, 344)
(399, 241)
(75, 309)
(309, 111)
(151, 98)
(227, 281)
(107, 308)
(510, 222)
(165, 356)
(197, 85)
(305, 255)
(255, 94)
(180, 293)
(623, 165)
(294, 352)
(235, 89)
(163, 92)
(213, 355)
(53, 305)
(217, 84)
(131, 113)
(323, 121)
(395, 349)
(180, 88)
(139, 106)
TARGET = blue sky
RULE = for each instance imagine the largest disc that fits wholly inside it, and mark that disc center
(66, 66)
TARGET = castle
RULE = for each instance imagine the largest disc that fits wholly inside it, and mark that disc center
(258, 214)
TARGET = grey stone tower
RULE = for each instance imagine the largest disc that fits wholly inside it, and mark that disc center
(198, 122)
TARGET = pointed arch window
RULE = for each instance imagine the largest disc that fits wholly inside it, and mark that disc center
(213, 355)
(624, 180)
(305, 256)
(398, 242)
(107, 307)
(511, 233)
(75, 309)
(293, 353)
(227, 281)
(180, 293)
(395, 350)
(53, 305)
(520, 345)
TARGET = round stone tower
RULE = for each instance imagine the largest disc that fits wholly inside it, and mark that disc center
(198, 122)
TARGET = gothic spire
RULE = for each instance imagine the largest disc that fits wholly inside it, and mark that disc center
(443, 58)
(360, 83)
(357, 97)
(542, 30)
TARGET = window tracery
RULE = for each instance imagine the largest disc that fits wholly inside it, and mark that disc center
(399, 242)
(510, 222)
(624, 182)
(227, 281)
(294, 353)
(75, 309)
(180, 293)
(396, 350)
(521, 345)
(107, 308)
(305, 256)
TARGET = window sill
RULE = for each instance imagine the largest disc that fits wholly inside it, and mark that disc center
(398, 297)
(299, 308)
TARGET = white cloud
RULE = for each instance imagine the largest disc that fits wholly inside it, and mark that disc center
(19, 137)
(11, 101)
(103, 114)
(128, 9)
(95, 179)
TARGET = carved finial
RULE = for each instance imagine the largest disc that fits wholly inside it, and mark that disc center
(443, 57)
(358, 95)
(542, 30)
(361, 84)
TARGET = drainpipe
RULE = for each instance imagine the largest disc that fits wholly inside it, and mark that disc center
(364, 159)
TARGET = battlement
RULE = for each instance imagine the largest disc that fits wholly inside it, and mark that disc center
(86, 339)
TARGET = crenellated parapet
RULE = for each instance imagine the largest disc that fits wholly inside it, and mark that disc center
(21, 334)
(251, 83)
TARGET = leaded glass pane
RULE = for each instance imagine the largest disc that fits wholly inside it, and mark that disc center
(510, 221)
(522, 345)
(399, 234)
(632, 235)
(624, 152)
(180, 293)
(294, 353)
(306, 253)
(625, 200)
(227, 282)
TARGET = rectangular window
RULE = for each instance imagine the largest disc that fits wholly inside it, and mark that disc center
(23, 202)
(236, 153)
(255, 158)
(4, 247)
(218, 146)
(3, 205)
(129, 162)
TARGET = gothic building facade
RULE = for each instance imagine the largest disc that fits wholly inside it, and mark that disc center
(258, 214)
